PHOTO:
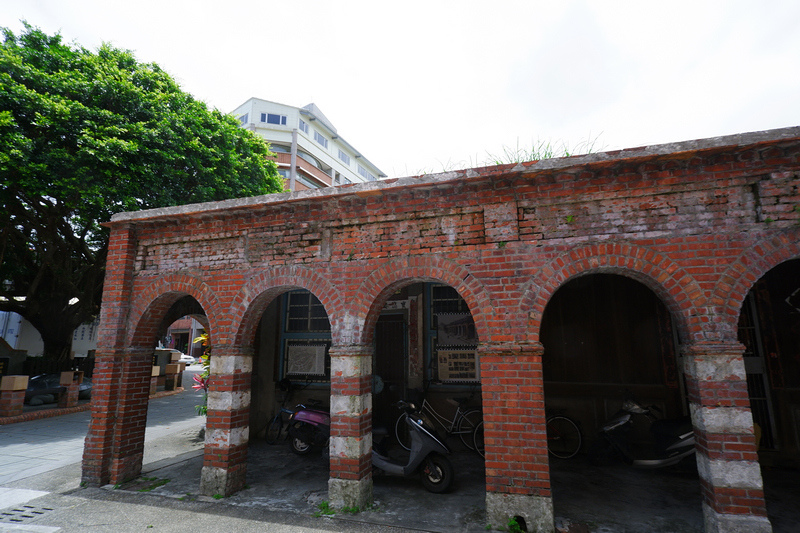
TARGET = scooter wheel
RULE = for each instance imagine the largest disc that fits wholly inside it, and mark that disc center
(300, 447)
(437, 473)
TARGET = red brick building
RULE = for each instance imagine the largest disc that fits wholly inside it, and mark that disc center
(669, 270)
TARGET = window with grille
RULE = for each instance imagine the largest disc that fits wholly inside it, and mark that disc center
(306, 337)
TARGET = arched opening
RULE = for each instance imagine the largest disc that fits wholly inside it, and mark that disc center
(605, 334)
(291, 345)
(607, 338)
(127, 379)
(426, 344)
(769, 328)
(425, 347)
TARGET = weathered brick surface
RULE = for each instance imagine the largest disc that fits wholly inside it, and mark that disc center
(696, 222)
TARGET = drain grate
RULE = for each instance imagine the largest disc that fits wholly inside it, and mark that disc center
(23, 514)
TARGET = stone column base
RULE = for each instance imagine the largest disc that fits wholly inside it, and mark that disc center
(215, 480)
(537, 511)
(350, 492)
(730, 523)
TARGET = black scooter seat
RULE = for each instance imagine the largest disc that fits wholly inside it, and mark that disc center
(672, 428)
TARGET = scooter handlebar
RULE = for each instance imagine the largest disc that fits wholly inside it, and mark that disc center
(405, 406)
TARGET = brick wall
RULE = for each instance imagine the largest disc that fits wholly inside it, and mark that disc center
(697, 222)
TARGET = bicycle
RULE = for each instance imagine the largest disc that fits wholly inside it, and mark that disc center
(563, 437)
(278, 427)
(463, 423)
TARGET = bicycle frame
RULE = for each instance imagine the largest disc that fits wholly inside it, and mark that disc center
(452, 429)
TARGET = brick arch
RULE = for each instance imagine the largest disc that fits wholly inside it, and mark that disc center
(151, 305)
(742, 275)
(679, 291)
(262, 288)
(382, 282)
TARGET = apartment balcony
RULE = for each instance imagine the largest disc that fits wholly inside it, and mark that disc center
(305, 170)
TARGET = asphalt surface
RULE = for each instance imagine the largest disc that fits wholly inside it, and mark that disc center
(40, 488)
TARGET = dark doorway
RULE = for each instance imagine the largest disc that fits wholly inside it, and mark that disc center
(769, 328)
(390, 362)
(606, 336)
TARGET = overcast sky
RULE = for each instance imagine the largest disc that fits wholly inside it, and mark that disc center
(428, 86)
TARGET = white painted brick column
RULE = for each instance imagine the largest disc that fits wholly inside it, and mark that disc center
(227, 422)
(350, 482)
(727, 453)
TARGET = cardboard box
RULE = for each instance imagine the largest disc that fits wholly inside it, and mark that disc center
(155, 372)
(69, 377)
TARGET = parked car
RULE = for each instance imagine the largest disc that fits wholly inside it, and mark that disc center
(188, 359)
(46, 388)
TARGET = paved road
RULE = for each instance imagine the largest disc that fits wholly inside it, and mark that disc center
(38, 446)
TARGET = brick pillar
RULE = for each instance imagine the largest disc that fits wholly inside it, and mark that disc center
(154, 374)
(12, 394)
(71, 382)
(727, 458)
(104, 440)
(172, 373)
(350, 482)
(114, 445)
(131, 422)
(227, 422)
(517, 467)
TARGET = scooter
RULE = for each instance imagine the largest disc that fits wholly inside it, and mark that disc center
(427, 456)
(308, 427)
(673, 440)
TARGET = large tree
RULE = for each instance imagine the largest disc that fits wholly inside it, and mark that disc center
(84, 135)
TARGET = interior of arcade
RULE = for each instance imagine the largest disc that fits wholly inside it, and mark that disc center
(605, 336)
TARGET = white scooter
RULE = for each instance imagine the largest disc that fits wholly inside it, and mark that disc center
(427, 455)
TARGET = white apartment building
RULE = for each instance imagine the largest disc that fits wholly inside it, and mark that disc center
(310, 152)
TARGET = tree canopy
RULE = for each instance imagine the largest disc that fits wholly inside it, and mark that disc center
(84, 135)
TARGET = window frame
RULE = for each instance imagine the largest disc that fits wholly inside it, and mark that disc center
(299, 337)
(321, 139)
(275, 119)
(366, 174)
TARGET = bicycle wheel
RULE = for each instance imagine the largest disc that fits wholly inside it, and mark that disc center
(563, 437)
(477, 438)
(401, 432)
(466, 427)
(274, 430)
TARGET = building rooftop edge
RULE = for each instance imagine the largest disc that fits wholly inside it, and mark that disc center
(377, 187)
